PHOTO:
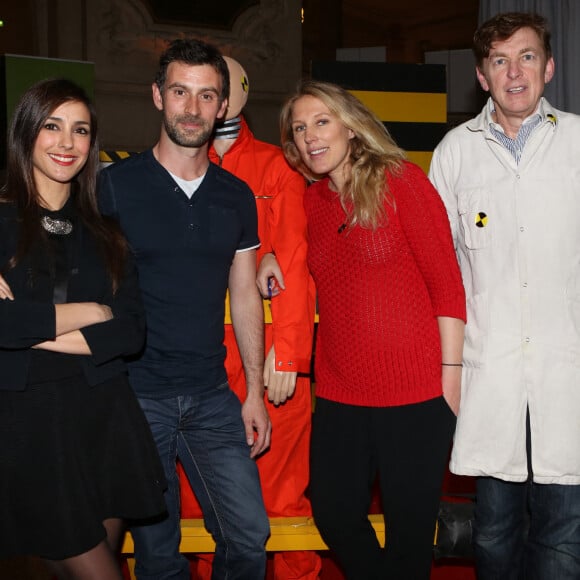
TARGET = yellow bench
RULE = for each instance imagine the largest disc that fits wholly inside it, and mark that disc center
(286, 535)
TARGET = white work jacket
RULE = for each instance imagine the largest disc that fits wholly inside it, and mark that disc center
(516, 229)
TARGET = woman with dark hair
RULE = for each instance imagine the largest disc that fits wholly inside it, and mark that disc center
(390, 336)
(76, 451)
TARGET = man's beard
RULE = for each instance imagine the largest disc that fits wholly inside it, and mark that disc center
(187, 138)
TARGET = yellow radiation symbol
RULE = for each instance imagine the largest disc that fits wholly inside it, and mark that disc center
(481, 219)
(245, 83)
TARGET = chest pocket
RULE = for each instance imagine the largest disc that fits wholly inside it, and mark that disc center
(477, 219)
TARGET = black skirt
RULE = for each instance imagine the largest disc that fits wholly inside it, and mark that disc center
(72, 456)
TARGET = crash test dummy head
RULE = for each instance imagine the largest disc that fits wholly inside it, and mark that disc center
(239, 88)
(227, 131)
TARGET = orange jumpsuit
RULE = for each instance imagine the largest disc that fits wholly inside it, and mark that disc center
(284, 468)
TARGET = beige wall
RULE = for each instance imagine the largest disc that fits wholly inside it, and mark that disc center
(124, 42)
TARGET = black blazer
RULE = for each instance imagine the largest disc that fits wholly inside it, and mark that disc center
(30, 318)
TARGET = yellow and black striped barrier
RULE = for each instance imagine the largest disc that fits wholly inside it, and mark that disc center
(410, 99)
(108, 156)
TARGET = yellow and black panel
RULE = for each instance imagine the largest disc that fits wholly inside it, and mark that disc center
(108, 156)
(410, 99)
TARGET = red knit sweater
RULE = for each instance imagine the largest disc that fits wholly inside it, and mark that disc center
(379, 293)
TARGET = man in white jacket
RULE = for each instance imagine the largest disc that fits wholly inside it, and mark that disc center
(510, 179)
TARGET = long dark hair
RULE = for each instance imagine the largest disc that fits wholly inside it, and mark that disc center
(31, 112)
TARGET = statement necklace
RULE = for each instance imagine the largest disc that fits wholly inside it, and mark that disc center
(61, 227)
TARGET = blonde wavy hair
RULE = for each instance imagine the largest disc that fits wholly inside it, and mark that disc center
(372, 152)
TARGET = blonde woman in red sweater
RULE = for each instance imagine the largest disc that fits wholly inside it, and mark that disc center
(390, 337)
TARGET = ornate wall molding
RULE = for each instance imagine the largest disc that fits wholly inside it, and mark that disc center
(125, 32)
(125, 41)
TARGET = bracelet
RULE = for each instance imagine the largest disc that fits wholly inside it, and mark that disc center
(452, 364)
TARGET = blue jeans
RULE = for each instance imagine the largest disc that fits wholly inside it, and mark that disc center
(206, 432)
(526, 531)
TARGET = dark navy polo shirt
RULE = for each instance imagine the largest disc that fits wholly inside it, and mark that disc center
(184, 249)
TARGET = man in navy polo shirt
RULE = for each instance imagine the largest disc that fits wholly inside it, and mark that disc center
(193, 229)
